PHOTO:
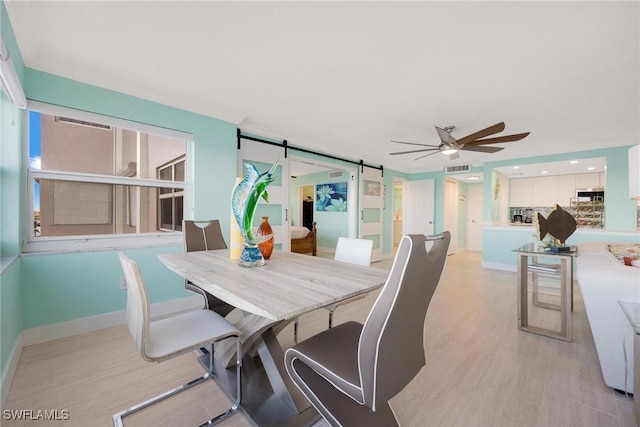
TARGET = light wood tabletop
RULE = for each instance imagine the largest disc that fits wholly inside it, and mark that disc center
(266, 299)
(289, 285)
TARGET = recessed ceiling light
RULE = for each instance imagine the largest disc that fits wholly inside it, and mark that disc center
(573, 162)
(516, 167)
(473, 178)
(591, 168)
(545, 171)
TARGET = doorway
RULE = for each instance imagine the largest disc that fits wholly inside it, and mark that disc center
(474, 218)
(450, 222)
(305, 212)
(397, 212)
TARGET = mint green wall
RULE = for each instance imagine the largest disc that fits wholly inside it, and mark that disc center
(11, 125)
(10, 310)
(66, 286)
(11, 121)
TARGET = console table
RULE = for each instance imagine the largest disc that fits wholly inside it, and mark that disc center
(562, 267)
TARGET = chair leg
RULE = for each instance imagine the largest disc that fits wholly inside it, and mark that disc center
(236, 403)
(117, 418)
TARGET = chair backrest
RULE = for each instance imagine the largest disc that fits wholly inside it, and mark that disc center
(391, 347)
(205, 238)
(354, 251)
(137, 304)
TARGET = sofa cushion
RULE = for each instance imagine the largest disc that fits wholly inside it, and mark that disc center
(592, 247)
(631, 251)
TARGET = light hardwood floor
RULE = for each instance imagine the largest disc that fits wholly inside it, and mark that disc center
(480, 370)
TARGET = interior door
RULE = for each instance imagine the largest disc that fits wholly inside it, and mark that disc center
(372, 195)
(418, 207)
(474, 216)
(262, 156)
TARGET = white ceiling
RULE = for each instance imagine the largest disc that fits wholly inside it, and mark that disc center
(347, 77)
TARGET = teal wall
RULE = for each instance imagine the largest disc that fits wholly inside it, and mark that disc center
(84, 284)
(11, 125)
(10, 310)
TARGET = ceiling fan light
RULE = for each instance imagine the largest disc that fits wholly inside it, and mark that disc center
(448, 151)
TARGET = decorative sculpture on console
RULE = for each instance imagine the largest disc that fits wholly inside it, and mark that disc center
(244, 202)
(560, 224)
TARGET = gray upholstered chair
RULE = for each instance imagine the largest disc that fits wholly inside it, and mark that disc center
(353, 251)
(173, 336)
(205, 238)
(351, 371)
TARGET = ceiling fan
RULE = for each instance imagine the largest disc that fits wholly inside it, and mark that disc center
(474, 142)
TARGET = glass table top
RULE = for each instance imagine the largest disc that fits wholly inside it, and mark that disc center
(538, 249)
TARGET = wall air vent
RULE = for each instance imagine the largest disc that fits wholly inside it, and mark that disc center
(457, 168)
(335, 174)
(82, 123)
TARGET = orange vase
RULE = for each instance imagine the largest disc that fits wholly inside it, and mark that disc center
(266, 248)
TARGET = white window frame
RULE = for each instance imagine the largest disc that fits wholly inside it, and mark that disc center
(110, 241)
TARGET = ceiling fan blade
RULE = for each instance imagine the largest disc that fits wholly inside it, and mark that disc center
(498, 127)
(414, 151)
(414, 143)
(426, 155)
(499, 139)
(445, 137)
(481, 148)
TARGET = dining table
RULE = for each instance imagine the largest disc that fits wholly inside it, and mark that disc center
(266, 299)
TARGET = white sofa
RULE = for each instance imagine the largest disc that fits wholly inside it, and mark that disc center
(604, 281)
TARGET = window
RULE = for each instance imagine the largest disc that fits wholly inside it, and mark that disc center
(170, 200)
(94, 178)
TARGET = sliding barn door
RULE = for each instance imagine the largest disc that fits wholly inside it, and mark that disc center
(371, 209)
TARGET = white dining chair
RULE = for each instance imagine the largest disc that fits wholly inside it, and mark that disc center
(352, 251)
(160, 340)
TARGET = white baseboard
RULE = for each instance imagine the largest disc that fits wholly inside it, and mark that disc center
(102, 321)
(500, 266)
(9, 371)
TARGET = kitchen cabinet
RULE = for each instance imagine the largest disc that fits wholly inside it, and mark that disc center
(588, 180)
(521, 192)
(548, 190)
(566, 189)
(545, 191)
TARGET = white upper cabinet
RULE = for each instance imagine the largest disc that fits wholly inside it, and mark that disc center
(588, 180)
(521, 192)
(548, 190)
(545, 191)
